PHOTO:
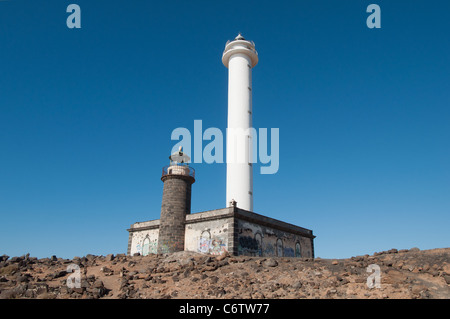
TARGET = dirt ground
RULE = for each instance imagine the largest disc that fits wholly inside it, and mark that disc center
(402, 274)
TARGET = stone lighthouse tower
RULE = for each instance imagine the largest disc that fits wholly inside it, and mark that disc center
(239, 57)
(178, 178)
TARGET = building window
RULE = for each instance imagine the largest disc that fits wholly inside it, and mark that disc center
(206, 235)
(146, 246)
(258, 239)
(204, 242)
(279, 247)
(298, 251)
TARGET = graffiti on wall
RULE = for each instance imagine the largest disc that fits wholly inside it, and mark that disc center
(170, 246)
(289, 252)
(269, 250)
(144, 243)
(146, 246)
(214, 246)
(249, 246)
(138, 248)
(149, 247)
(262, 243)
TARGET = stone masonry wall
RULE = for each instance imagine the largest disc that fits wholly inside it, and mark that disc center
(208, 237)
(175, 205)
(258, 240)
(229, 229)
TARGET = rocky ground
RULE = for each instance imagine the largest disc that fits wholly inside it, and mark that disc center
(404, 274)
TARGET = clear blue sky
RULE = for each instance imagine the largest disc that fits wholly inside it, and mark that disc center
(86, 116)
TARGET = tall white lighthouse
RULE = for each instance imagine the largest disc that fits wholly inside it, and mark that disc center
(239, 57)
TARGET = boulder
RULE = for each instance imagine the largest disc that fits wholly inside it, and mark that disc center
(297, 285)
(106, 270)
(222, 256)
(270, 263)
(22, 278)
(16, 259)
(90, 257)
(98, 284)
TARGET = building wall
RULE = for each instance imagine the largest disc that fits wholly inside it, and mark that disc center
(144, 242)
(209, 237)
(260, 240)
(230, 229)
(143, 238)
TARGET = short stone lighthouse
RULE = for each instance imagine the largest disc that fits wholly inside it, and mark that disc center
(178, 178)
(239, 57)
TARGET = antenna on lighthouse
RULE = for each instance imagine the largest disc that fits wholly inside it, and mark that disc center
(179, 157)
(239, 37)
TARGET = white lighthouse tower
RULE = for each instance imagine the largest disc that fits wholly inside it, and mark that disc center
(239, 57)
